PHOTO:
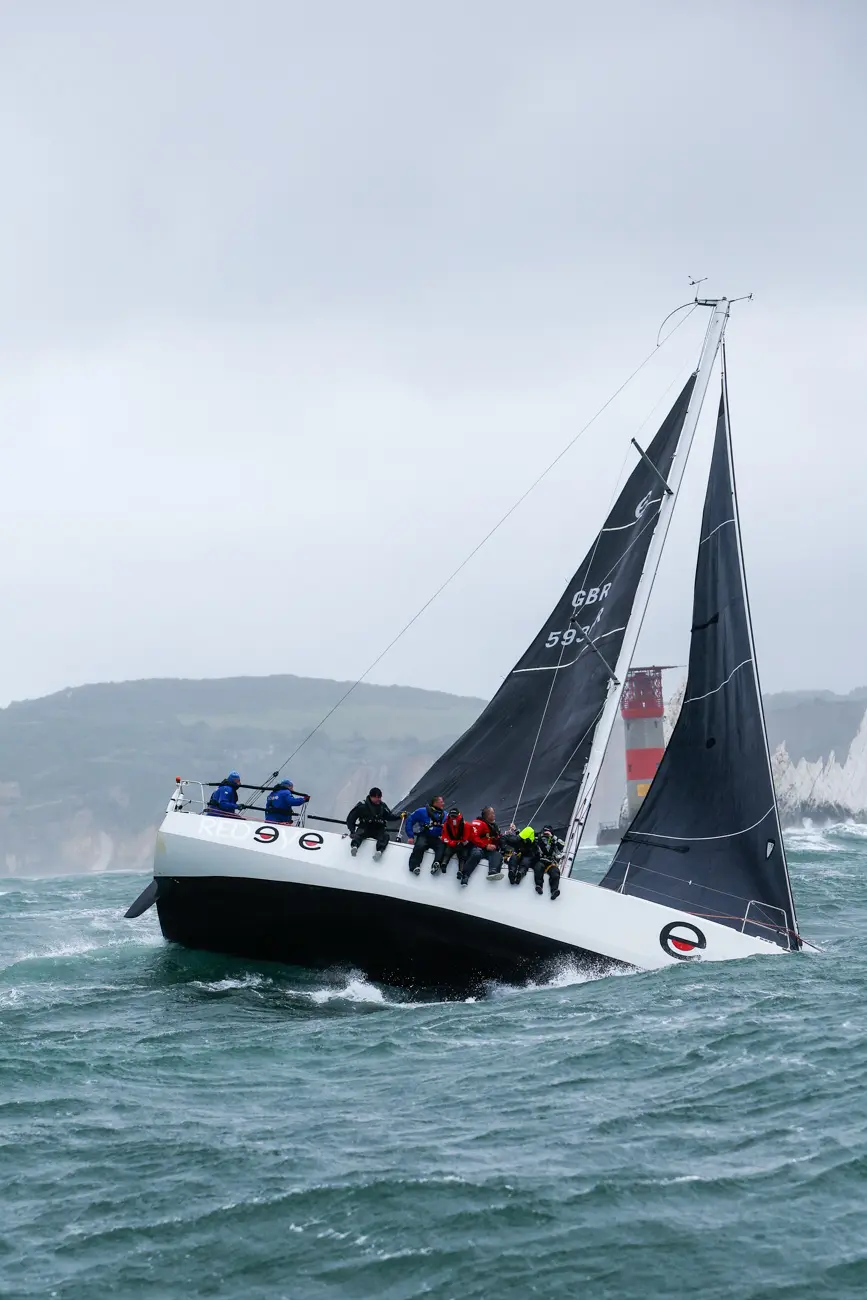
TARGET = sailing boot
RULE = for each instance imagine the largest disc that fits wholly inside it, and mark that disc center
(353, 849)
(377, 855)
(555, 893)
(538, 889)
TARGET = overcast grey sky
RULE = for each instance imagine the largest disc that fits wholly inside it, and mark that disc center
(295, 298)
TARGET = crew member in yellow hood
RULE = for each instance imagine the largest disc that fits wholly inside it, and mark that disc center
(525, 853)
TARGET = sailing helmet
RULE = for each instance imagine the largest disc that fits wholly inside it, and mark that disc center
(547, 830)
(527, 834)
(285, 784)
(454, 812)
(234, 776)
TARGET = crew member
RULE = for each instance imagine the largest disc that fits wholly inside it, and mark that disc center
(453, 841)
(551, 849)
(367, 821)
(525, 853)
(224, 801)
(484, 839)
(424, 829)
(281, 801)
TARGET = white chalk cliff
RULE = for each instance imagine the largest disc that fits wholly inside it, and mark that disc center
(826, 787)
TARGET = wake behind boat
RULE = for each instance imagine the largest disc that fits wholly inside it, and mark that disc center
(701, 872)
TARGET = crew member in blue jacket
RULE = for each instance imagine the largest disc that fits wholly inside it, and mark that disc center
(224, 801)
(425, 827)
(281, 801)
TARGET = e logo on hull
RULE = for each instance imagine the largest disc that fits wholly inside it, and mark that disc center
(682, 941)
(311, 840)
(266, 834)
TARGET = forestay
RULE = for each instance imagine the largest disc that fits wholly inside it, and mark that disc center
(707, 836)
(526, 753)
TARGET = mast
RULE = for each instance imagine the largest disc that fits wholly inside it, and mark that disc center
(710, 347)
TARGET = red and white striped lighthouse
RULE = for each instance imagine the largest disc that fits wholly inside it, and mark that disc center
(642, 709)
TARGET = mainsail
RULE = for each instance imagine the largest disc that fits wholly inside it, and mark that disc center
(526, 753)
(707, 837)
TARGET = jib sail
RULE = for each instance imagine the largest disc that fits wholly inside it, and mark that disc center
(707, 837)
(527, 751)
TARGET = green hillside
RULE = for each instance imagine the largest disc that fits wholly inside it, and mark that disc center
(85, 774)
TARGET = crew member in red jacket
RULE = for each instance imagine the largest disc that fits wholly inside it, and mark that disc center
(453, 841)
(484, 839)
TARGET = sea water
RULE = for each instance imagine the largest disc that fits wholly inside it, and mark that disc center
(176, 1124)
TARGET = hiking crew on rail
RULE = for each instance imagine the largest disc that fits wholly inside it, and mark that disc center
(429, 827)
(368, 821)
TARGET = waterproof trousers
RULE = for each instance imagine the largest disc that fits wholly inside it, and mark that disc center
(553, 874)
(474, 857)
(446, 852)
(519, 865)
(423, 842)
(367, 832)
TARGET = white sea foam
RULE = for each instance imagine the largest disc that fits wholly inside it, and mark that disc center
(356, 989)
(848, 830)
(227, 985)
(568, 976)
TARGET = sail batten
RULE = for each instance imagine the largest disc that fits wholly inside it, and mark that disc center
(707, 837)
(528, 750)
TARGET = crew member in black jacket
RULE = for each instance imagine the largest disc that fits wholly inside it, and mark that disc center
(526, 853)
(367, 821)
(551, 850)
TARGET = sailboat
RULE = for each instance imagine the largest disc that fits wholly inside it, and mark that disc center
(699, 875)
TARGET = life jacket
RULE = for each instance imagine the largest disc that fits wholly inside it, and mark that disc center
(224, 799)
(279, 805)
(483, 835)
(524, 845)
(551, 848)
(428, 819)
(366, 813)
(454, 831)
(436, 817)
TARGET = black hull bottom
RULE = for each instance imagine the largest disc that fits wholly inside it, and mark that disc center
(391, 940)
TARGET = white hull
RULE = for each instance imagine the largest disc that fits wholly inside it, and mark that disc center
(301, 897)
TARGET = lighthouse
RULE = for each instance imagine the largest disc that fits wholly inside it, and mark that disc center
(642, 710)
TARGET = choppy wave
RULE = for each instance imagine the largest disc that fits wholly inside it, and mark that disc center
(176, 1123)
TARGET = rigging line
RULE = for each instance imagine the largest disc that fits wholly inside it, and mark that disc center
(565, 765)
(651, 519)
(618, 486)
(698, 884)
(551, 668)
(559, 663)
(556, 667)
(539, 732)
(572, 621)
(488, 535)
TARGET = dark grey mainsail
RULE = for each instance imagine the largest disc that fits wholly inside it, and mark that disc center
(707, 837)
(526, 753)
